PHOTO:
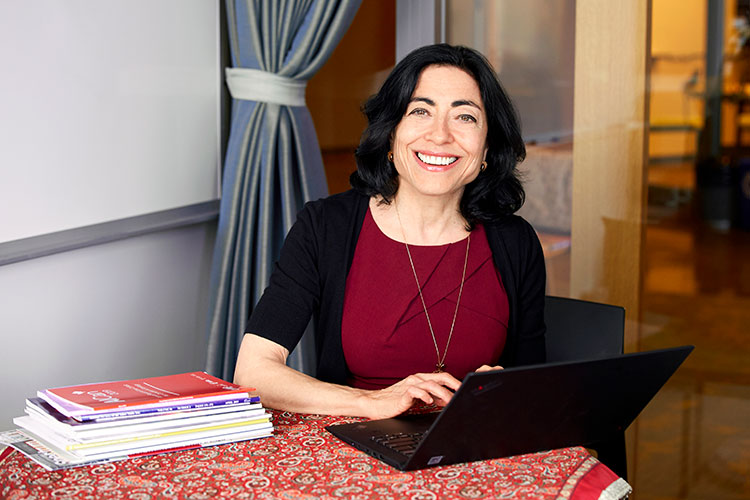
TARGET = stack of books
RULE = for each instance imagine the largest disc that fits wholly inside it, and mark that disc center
(93, 423)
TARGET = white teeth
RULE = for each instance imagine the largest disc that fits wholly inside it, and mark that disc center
(437, 160)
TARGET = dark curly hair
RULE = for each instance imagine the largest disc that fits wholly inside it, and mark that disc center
(497, 191)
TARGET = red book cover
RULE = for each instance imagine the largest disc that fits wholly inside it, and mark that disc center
(145, 391)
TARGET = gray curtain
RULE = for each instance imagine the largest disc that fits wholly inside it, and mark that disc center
(273, 163)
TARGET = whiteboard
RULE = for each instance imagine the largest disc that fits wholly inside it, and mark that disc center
(108, 109)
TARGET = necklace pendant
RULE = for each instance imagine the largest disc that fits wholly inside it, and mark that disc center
(439, 368)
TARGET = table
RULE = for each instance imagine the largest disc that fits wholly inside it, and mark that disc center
(302, 461)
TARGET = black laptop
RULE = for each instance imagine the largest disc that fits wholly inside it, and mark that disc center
(521, 410)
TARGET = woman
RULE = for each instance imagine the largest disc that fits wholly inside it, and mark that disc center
(421, 273)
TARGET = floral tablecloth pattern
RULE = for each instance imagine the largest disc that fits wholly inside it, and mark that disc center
(302, 461)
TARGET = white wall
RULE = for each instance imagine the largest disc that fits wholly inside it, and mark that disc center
(128, 309)
(110, 110)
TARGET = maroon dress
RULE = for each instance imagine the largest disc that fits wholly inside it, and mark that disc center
(384, 331)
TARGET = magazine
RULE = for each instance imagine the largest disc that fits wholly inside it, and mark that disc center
(40, 409)
(54, 459)
(102, 422)
(133, 441)
(87, 431)
(87, 400)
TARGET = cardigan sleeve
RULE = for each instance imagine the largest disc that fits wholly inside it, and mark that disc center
(531, 287)
(520, 260)
(293, 293)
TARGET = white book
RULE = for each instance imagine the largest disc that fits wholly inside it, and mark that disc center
(52, 458)
(122, 444)
(233, 437)
(142, 425)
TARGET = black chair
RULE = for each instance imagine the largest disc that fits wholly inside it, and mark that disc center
(579, 329)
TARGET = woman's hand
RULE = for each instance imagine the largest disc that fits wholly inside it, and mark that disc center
(432, 388)
(486, 368)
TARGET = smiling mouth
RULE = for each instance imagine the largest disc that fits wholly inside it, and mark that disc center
(438, 161)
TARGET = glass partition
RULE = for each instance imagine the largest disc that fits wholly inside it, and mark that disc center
(532, 46)
(637, 121)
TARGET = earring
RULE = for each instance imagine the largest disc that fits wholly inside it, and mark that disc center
(483, 166)
(390, 156)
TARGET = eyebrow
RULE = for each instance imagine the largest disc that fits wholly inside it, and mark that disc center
(454, 104)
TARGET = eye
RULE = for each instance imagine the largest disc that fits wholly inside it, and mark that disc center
(467, 118)
(418, 112)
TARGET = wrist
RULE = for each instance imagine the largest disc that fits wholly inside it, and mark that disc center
(364, 403)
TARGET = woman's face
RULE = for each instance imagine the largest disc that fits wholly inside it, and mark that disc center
(441, 141)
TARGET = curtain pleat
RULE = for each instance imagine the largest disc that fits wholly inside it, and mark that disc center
(272, 165)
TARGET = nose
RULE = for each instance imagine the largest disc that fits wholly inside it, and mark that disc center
(440, 132)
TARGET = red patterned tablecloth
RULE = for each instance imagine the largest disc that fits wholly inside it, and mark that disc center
(303, 461)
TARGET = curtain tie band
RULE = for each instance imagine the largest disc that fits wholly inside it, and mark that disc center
(262, 86)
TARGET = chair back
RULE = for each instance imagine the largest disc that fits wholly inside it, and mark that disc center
(579, 329)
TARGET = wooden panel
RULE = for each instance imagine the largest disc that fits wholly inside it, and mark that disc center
(356, 69)
(609, 160)
(609, 151)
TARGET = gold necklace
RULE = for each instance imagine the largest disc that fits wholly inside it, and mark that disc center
(440, 365)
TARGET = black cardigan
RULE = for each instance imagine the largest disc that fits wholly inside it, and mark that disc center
(310, 277)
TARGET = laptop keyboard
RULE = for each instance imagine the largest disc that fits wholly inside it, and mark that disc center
(404, 443)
